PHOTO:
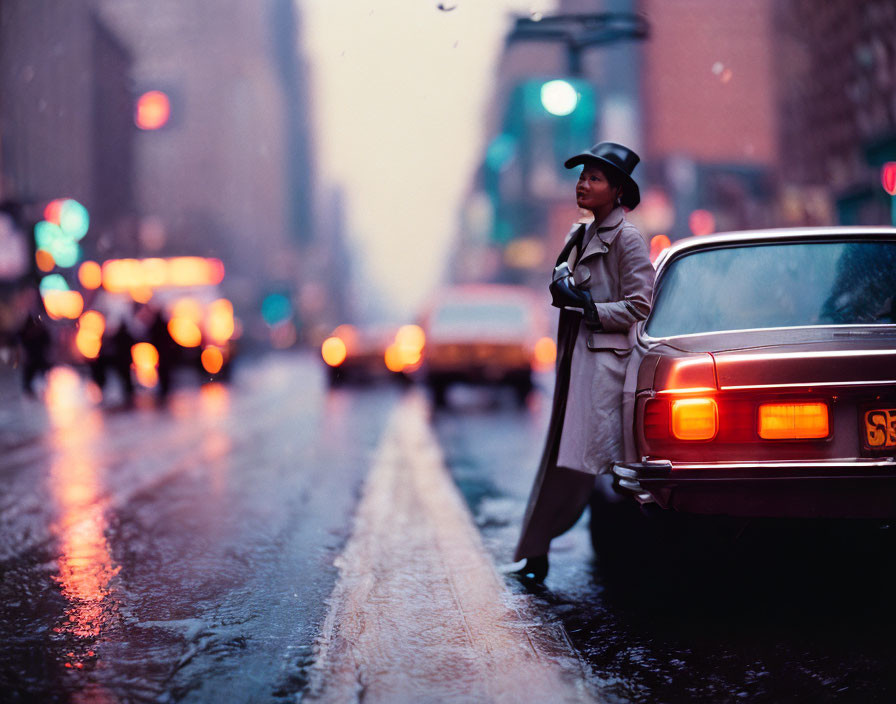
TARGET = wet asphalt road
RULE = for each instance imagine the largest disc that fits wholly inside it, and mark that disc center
(176, 554)
(788, 613)
(186, 553)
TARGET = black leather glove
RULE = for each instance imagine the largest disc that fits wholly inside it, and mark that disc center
(565, 294)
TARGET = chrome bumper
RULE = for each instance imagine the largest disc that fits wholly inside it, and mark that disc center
(721, 485)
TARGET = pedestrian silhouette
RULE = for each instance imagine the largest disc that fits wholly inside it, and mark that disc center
(121, 342)
(36, 343)
(115, 356)
(161, 339)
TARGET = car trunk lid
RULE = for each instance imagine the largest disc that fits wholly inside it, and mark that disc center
(847, 362)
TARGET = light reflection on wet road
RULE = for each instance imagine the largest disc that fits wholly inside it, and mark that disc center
(86, 567)
(177, 554)
(783, 617)
(186, 554)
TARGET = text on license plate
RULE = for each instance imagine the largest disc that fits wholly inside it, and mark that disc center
(880, 427)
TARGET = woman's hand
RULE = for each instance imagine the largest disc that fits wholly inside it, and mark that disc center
(565, 294)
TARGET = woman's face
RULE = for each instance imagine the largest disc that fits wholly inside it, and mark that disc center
(594, 192)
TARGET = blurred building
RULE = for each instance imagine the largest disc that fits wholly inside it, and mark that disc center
(710, 119)
(837, 62)
(66, 125)
(231, 173)
(224, 170)
(695, 98)
(66, 131)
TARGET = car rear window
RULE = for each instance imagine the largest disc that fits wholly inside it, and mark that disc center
(481, 318)
(776, 285)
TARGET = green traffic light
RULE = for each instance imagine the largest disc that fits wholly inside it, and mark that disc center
(53, 282)
(65, 253)
(275, 308)
(60, 244)
(74, 219)
(46, 234)
(559, 97)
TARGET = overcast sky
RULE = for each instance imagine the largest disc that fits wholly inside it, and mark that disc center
(399, 97)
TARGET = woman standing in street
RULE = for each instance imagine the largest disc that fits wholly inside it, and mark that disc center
(602, 284)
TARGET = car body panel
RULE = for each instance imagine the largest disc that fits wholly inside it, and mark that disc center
(840, 363)
(849, 368)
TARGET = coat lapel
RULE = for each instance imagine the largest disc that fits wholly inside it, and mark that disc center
(606, 233)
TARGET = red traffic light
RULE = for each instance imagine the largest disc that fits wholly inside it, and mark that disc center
(53, 210)
(153, 110)
(888, 177)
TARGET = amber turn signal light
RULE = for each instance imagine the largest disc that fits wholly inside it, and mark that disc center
(793, 421)
(695, 419)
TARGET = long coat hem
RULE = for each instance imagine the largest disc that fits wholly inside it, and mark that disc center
(560, 494)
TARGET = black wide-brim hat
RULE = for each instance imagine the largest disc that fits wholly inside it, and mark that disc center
(620, 160)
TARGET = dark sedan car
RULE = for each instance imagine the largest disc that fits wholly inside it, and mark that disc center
(765, 378)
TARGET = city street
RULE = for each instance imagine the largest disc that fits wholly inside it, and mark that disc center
(314, 315)
(271, 540)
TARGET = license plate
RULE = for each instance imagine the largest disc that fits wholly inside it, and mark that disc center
(880, 428)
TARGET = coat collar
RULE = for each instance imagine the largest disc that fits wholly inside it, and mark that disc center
(573, 241)
(606, 233)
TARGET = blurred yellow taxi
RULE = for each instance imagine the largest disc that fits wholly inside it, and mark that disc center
(491, 334)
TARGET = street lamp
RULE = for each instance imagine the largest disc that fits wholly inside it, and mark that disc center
(580, 31)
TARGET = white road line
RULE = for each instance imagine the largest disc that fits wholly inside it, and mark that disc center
(419, 613)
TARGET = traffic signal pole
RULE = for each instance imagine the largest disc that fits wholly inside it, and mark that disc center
(578, 32)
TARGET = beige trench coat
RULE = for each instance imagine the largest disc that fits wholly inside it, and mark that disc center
(586, 430)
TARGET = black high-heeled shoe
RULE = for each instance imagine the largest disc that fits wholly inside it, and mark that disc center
(536, 568)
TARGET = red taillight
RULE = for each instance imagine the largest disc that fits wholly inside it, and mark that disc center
(695, 419)
(656, 419)
(793, 421)
(689, 419)
(670, 423)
